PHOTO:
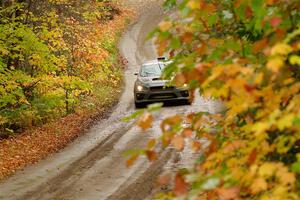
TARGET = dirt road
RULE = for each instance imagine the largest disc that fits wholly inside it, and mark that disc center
(93, 167)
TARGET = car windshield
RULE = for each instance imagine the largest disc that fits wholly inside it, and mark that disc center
(150, 70)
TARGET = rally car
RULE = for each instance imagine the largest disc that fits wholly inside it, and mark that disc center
(149, 87)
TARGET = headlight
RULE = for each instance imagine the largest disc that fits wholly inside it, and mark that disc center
(140, 88)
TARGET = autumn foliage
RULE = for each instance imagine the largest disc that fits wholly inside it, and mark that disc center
(56, 57)
(60, 70)
(245, 53)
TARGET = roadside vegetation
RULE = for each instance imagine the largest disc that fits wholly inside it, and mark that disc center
(245, 53)
(59, 70)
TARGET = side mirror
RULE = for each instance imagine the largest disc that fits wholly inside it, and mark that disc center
(136, 74)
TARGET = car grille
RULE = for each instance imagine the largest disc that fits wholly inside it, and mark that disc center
(159, 88)
(163, 96)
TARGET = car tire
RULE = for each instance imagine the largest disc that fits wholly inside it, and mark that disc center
(138, 105)
(187, 102)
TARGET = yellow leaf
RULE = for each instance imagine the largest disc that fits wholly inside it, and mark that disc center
(267, 170)
(295, 60)
(165, 25)
(151, 144)
(285, 122)
(193, 5)
(275, 64)
(287, 178)
(258, 185)
(259, 78)
(281, 49)
(260, 127)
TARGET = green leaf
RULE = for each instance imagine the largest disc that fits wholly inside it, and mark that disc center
(296, 121)
(296, 167)
(134, 115)
(155, 107)
(212, 19)
(175, 43)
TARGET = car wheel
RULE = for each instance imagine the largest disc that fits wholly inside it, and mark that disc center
(187, 102)
(138, 105)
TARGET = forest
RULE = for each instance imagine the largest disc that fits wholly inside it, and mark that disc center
(56, 58)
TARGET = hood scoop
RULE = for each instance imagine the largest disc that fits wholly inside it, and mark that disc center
(156, 79)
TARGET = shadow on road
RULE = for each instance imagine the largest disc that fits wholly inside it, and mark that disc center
(175, 103)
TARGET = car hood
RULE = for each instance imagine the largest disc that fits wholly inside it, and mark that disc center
(152, 81)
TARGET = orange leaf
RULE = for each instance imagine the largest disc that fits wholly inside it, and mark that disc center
(164, 180)
(287, 178)
(190, 117)
(167, 124)
(180, 80)
(172, 53)
(187, 132)
(237, 3)
(201, 50)
(258, 185)
(212, 147)
(280, 34)
(145, 122)
(187, 37)
(252, 157)
(181, 187)
(195, 146)
(131, 161)
(248, 12)
(178, 142)
(259, 45)
(162, 45)
(228, 193)
(151, 155)
(151, 144)
(210, 7)
(270, 2)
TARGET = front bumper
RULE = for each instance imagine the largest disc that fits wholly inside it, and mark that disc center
(161, 95)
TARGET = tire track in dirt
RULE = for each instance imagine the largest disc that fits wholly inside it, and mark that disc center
(143, 185)
(73, 172)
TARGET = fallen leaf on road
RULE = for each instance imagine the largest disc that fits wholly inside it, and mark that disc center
(178, 142)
